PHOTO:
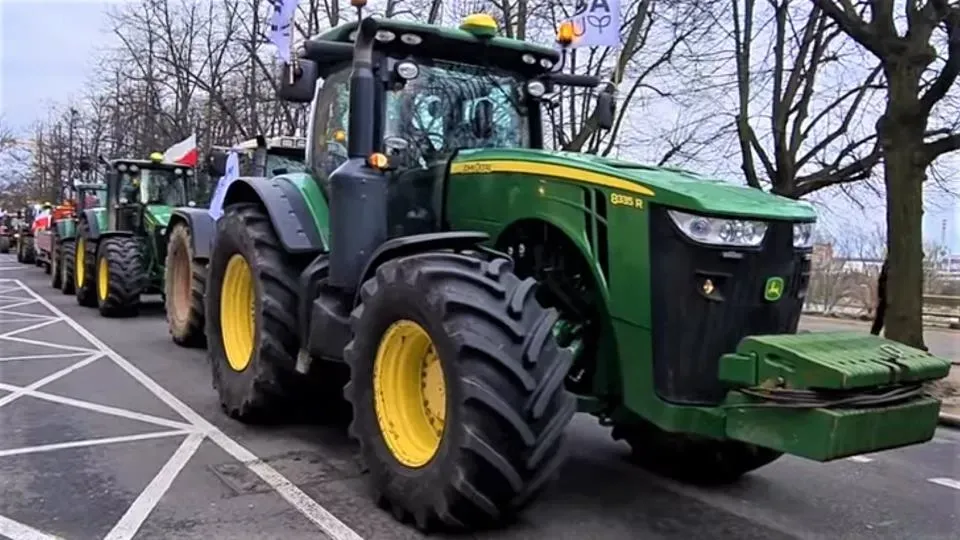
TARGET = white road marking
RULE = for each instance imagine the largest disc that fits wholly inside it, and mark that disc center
(91, 442)
(51, 345)
(105, 409)
(134, 517)
(860, 459)
(18, 304)
(40, 356)
(948, 482)
(20, 392)
(327, 522)
(34, 326)
(18, 531)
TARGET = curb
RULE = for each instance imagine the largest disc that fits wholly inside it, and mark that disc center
(950, 420)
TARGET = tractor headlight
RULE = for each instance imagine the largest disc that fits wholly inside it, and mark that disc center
(802, 235)
(719, 231)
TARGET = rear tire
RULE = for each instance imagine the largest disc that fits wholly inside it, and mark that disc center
(67, 260)
(501, 376)
(262, 383)
(4, 244)
(184, 283)
(85, 257)
(690, 458)
(120, 277)
(54, 267)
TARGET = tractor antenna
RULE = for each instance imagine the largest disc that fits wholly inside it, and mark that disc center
(359, 4)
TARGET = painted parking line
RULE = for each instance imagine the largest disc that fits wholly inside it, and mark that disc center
(947, 482)
(196, 428)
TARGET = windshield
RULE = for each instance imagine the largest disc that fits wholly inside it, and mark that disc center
(285, 164)
(435, 112)
(93, 198)
(162, 186)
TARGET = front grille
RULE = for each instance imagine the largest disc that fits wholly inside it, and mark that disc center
(691, 330)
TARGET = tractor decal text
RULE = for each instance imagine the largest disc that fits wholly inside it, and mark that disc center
(573, 174)
(619, 199)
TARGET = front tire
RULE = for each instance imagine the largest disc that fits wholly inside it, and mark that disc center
(485, 352)
(251, 329)
(67, 261)
(690, 458)
(184, 283)
(120, 277)
(53, 268)
(4, 244)
(85, 256)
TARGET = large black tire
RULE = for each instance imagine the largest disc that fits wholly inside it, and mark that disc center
(56, 276)
(267, 386)
(25, 251)
(84, 269)
(506, 407)
(184, 282)
(67, 261)
(121, 259)
(4, 244)
(690, 458)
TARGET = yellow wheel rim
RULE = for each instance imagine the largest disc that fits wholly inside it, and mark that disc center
(409, 393)
(103, 278)
(80, 262)
(237, 313)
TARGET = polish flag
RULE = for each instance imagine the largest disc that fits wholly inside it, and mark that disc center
(183, 153)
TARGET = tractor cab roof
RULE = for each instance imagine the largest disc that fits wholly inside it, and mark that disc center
(473, 43)
(145, 164)
(272, 144)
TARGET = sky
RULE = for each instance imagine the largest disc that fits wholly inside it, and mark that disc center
(47, 48)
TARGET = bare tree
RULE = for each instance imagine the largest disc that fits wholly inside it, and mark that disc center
(917, 80)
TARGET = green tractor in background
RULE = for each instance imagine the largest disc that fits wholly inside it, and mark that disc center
(86, 197)
(8, 234)
(120, 248)
(190, 232)
(479, 290)
(23, 231)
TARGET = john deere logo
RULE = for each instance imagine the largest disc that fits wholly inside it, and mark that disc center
(773, 290)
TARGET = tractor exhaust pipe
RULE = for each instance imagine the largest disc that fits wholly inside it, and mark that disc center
(358, 193)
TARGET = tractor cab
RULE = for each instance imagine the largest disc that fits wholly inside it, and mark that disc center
(88, 195)
(419, 95)
(142, 191)
(262, 157)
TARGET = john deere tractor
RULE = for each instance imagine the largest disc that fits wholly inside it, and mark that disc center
(8, 236)
(23, 231)
(120, 248)
(480, 289)
(190, 232)
(63, 232)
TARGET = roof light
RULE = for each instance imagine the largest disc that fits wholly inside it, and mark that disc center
(408, 70)
(385, 36)
(529, 59)
(156, 157)
(480, 25)
(546, 63)
(566, 33)
(411, 39)
(178, 172)
(536, 89)
(339, 135)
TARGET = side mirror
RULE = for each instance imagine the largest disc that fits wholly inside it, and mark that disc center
(606, 110)
(483, 119)
(304, 81)
(217, 164)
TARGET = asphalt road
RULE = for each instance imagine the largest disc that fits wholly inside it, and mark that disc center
(124, 438)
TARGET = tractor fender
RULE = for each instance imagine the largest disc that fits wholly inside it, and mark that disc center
(90, 216)
(418, 243)
(288, 211)
(202, 228)
(115, 234)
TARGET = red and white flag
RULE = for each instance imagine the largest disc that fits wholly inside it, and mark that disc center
(183, 153)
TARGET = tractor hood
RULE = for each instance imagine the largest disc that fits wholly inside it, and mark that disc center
(667, 186)
(159, 214)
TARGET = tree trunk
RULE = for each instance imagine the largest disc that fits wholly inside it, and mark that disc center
(901, 131)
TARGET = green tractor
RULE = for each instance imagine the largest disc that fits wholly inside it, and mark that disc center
(23, 232)
(190, 232)
(8, 234)
(63, 232)
(479, 290)
(120, 248)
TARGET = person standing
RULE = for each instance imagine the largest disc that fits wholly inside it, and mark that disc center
(881, 299)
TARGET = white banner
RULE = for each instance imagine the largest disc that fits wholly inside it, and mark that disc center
(231, 173)
(281, 27)
(596, 23)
